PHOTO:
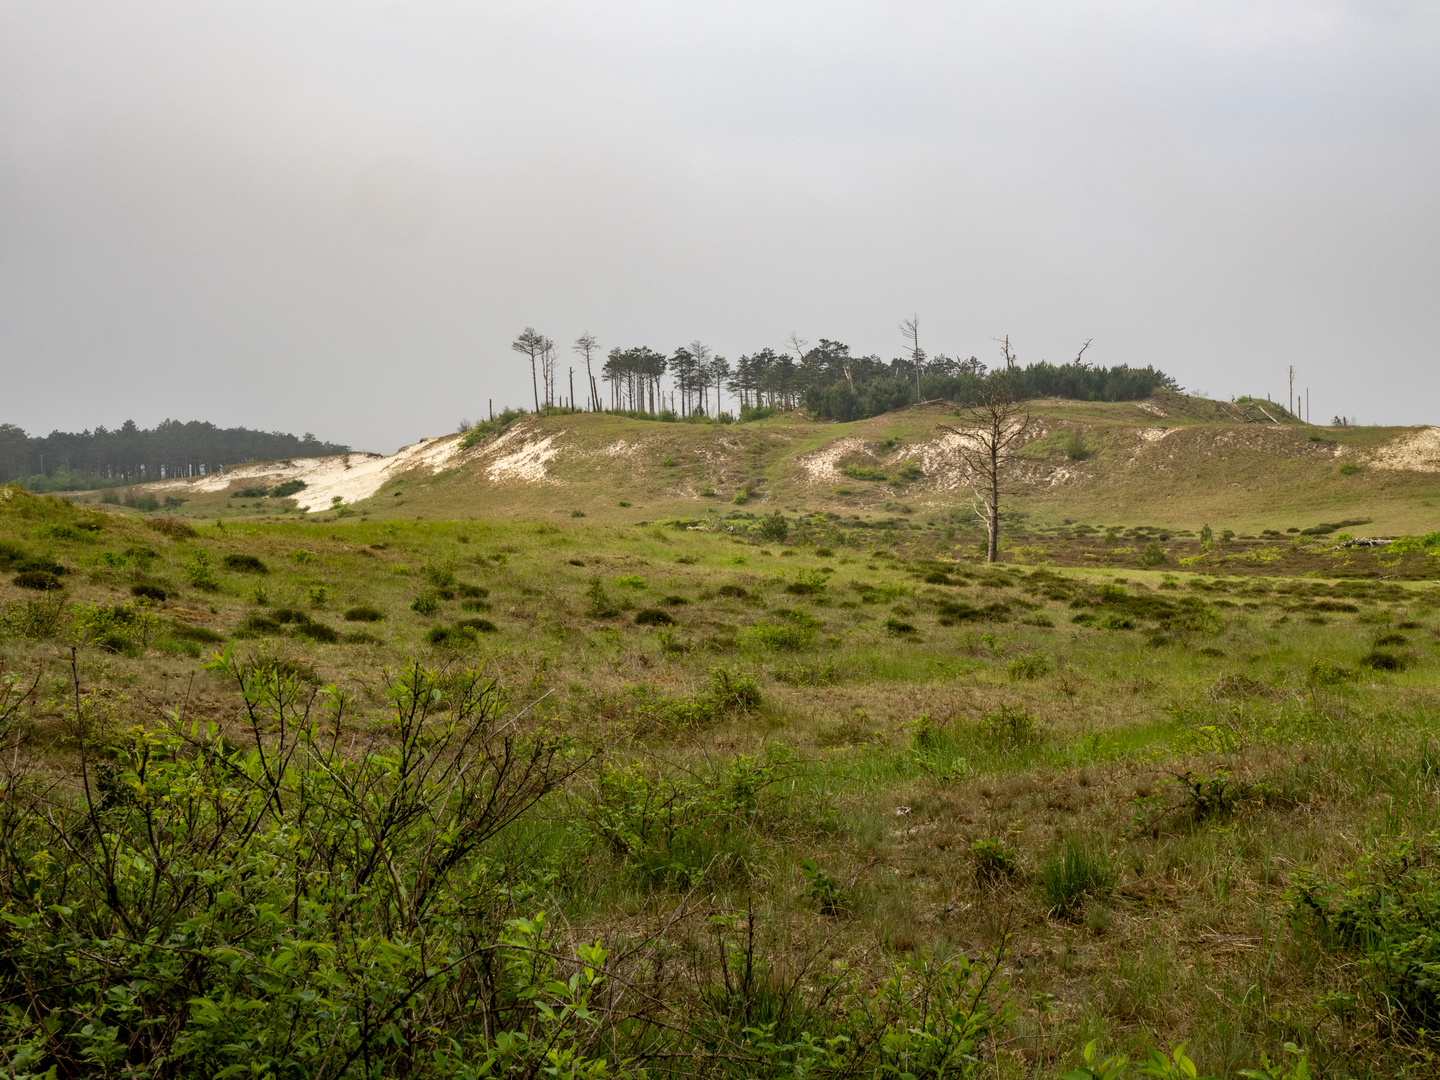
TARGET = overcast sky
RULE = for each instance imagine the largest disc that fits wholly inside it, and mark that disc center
(334, 217)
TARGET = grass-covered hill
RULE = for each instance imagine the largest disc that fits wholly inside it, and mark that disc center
(1171, 462)
(526, 796)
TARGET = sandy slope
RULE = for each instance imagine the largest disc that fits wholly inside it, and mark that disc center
(349, 477)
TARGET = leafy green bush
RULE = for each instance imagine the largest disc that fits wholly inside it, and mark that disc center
(116, 627)
(632, 581)
(1028, 666)
(287, 488)
(72, 533)
(476, 434)
(426, 603)
(683, 830)
(37, 620)
(251, 493)
(995, 861)
(1075, 448)
(363, 613)
(1153, 555)
(601, 606)
(288, 949)
(910, 470)
(773, 527)
(864, 472)
(790, 636)
(197, 571)
(1384, 913)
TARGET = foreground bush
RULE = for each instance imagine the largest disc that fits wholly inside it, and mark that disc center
(199, 909)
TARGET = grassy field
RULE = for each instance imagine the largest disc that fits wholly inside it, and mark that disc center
(837, 798)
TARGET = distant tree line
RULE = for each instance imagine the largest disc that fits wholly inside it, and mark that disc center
(823, 378)
(70, 461)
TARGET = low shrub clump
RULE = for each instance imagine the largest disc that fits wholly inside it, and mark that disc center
(245, 564)
(363, 613)
(298, 623)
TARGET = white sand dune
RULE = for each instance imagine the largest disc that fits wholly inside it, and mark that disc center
(350, 477)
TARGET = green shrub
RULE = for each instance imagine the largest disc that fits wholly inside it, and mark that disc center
(244, 564)
(994, 861)
(37, 579)
(472, 592)
(197, 571)
(480, 626)
(450, 635)
(287, 488)
(601, 606)
(292, 929)
(1028, 666)
(1074, 873)
(654, 617)
(773, 527)
(71, 533)
(251, 493)
(632, 581)
(864, 472)
(149, 592)
(117, 628)
(1380, 660)
(427, 603)
(36, 620)
(910, 470)
(1153, 555)
(776, 637)
(1384, 914)
(1349, 469)
(1075, 448)
(363, 613)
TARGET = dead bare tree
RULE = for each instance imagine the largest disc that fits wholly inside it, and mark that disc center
(586, 345)
(996, 429)
(910, 328)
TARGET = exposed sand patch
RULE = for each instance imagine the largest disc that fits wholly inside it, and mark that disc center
(821, 465)
(526, 464)
(351, 477)
(1154, 434)
(1416, 452)
(1151, 408)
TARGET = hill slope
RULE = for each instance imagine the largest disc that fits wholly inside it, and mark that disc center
(1170, 461)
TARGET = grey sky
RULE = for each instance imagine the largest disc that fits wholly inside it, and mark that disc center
(335, 217)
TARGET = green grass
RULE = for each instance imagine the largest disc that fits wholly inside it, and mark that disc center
(723, 742)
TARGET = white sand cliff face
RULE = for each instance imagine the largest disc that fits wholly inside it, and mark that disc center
(349, 477)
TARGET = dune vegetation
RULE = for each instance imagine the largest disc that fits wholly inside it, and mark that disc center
(777, 796)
